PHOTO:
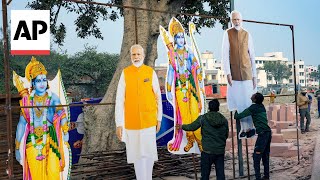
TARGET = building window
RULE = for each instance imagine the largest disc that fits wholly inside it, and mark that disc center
(204, 64)
(301, 73)
(301, 66)
(290, 80)
(302, 81)
(290, 66)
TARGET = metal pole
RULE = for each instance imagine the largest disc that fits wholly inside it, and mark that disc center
(232, 144)
(7, 87)
(194, 167)
(240, 158)
(295, 89)
(248, 165)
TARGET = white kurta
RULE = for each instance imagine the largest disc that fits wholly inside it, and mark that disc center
(139, 143)
(239, 94)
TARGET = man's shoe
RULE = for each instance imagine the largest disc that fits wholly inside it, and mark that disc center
(307, 130)
(243, 135)
(251, 133)
(265, 178)
(302, 131)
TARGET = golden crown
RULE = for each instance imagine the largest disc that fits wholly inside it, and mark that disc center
(34, 68)
(175, 27)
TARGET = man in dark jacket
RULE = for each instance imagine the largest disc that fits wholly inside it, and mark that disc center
(262, 146)
(214, 131)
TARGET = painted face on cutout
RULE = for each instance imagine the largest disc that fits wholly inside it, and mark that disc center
(40, 83)
(236, 20)
(137, 56)
(179, 39)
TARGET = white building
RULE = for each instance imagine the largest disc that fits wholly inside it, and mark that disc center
(213, 69)
(300, 73)
(311, 82)
(261, 74)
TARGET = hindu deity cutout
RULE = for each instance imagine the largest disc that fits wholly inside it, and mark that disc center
(184, 85)
(42, 133)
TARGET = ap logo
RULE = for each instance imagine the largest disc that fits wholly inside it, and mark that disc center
(30, 32)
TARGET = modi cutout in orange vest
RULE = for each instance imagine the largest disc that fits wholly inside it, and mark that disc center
(140, 106)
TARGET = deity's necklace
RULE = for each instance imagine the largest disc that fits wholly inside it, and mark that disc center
(183, 65)
(42, 101)
(39, 147)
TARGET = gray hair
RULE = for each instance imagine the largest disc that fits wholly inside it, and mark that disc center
(137, 46)
(235, 12)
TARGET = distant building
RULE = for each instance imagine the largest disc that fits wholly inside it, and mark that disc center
(261, 74)
(214, 73)
(311, 82)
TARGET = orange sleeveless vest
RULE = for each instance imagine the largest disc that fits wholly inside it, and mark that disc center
(140, 107)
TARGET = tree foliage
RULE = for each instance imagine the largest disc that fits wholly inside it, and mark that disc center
(87, 68)
(89, 14)
(277, 70)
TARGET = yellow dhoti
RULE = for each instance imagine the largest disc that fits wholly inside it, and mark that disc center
(189, 111)
(48, 168)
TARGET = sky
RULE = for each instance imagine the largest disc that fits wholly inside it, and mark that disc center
(302, 14)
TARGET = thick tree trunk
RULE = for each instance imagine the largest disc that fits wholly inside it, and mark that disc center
(99, 121)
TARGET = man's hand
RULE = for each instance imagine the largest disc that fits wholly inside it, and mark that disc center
(254, 82)
(229, 78)
(158, 126)
(119, 132)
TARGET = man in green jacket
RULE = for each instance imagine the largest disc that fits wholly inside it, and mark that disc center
(262, 146)
(214, 131)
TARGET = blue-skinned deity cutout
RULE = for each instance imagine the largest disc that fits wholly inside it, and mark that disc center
(184, 86)
(42, 133)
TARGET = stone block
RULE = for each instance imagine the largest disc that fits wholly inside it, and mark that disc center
(274, 131)
(272, 115)
(274, 107)
(283, 124)
(234, 133)
(290, 133)
(277, 138)
(278, 149)
(229, 144)
(289, 114)
(281, 114)
(291, 152)
(272, 123)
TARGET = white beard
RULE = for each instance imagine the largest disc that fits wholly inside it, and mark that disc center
(137, 64)
(237, 27)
